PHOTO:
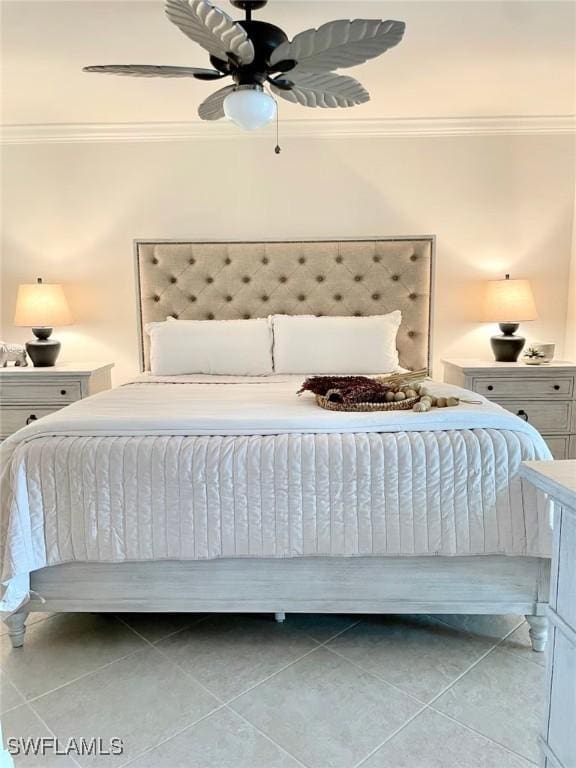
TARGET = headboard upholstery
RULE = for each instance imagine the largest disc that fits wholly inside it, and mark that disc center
(232, 280)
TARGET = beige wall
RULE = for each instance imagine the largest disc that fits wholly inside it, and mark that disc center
(496, 204)
(570, 346)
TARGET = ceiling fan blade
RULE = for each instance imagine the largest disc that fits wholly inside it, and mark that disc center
(324, 90)
(212, 108)
(211, 28)
(340, 44)
(151, 70)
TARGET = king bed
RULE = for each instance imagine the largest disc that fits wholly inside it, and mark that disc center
(204, 493)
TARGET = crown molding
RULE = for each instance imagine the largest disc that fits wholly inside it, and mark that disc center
(73, 133)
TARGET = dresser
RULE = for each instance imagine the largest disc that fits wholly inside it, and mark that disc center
(544, 395)
(28, 394)
(558, 740)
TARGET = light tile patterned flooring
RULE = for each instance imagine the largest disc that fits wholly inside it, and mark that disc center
(245, 692)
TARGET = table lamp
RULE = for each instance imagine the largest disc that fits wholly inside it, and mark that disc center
(41, 306)
(508, 302)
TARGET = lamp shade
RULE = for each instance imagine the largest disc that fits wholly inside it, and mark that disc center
(41, 305)
(250, 107)
(510, 301)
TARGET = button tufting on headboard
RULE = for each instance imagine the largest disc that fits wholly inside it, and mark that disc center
(228, 280)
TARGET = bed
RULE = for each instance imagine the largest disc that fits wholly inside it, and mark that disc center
(190, 494)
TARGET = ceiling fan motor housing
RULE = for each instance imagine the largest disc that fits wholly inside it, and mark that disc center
(265, 38)
(249, 5)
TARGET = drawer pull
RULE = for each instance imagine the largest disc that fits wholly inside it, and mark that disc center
(31, 418)
(522, 414)
(489, 387)
(63, 392)
(556, 387)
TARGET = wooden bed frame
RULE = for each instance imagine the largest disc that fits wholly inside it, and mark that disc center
(168, 271)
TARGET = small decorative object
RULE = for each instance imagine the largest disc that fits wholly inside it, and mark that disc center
(533, 356)
(15, 353)
(41, 306)
(508, 302)
(397, 392)
(547, 351)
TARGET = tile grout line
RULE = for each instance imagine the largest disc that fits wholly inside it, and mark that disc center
(426, 706)
(291, 663)
(517, 656)
(223, 704)
(266, 736)
(378, 677)
(74, 679)
(81, 677)
(391, 736)
(471, 667)
(482, 735)
(179, 666)
(431, 703)
(172, 736)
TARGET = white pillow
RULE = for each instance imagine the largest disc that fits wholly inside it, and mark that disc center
(336, 345)
(223, 347)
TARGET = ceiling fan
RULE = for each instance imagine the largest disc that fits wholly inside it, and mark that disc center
(256, 53)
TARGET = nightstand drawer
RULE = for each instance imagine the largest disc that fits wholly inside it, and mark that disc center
(63, 392)
(546, 417)
(13, 419)
(543, 387)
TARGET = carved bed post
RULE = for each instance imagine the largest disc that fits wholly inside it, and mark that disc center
(538, 632)
(16, 624)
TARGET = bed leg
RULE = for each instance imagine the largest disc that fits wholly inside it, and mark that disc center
(280, 617)
(16, 624)
(538, 632)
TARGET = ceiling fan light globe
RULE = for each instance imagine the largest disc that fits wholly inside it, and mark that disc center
(250, 108)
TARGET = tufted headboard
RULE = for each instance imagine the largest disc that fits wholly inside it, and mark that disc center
(231, 280)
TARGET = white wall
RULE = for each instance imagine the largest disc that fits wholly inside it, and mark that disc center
(496, 204)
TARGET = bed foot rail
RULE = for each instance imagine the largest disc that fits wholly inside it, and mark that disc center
(538, 632)
(16, 624)
(280, 617)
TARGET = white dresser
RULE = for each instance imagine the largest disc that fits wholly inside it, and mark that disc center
(543, 395)
(27, 394)
(558, 740)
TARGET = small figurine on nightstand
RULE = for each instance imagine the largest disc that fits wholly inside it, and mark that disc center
(15, 353)
(533, 356)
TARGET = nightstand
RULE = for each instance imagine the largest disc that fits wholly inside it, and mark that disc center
(544, 395)
(27, 394)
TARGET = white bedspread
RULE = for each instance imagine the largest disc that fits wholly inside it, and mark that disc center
(210, 467)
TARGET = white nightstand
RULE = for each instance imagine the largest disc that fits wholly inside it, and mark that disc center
(27, 394)
(544, 395)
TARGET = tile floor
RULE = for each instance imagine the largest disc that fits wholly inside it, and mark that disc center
(245, 692)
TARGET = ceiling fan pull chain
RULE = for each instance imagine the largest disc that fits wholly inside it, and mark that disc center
(277, 148)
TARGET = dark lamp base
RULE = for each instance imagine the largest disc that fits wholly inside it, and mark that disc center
(507, 347)
(43, 351)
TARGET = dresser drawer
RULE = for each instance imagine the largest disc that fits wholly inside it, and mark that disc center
(63, 392)
(564, 581)
(541, 388)
(13, 419)
(559, 446)
(561, 736)
(546, 417)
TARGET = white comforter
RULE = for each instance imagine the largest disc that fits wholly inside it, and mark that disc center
(187, 468)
